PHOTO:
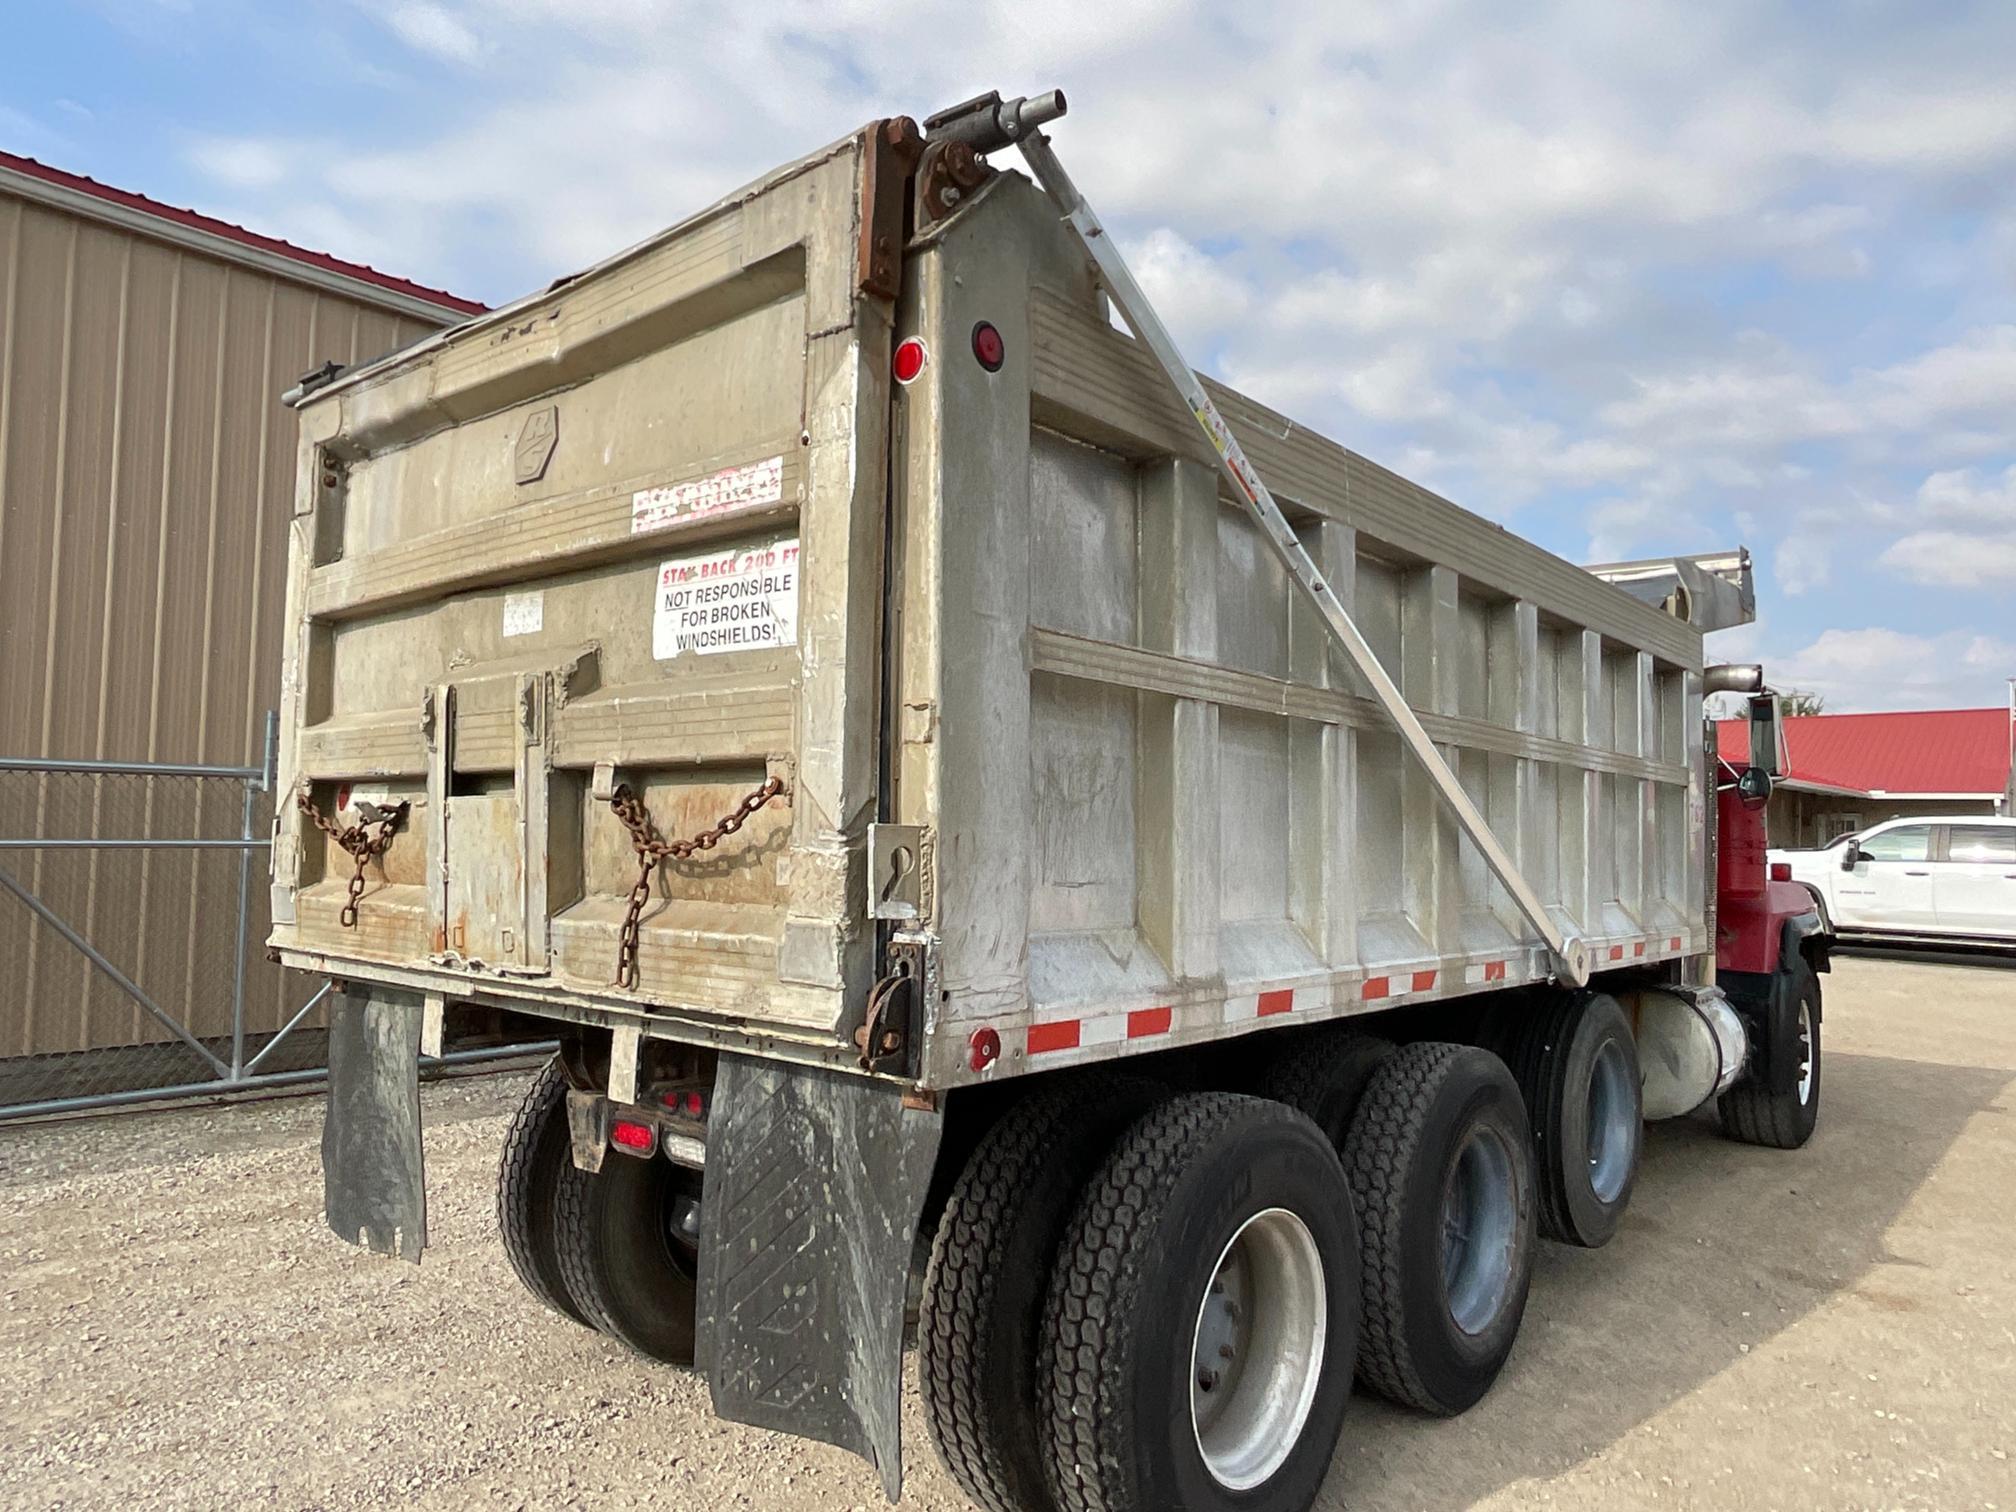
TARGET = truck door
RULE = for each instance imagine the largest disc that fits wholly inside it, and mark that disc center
(1974, 887)
(1890, 886)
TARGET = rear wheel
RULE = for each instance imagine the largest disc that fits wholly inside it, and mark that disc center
(1441, 1171)
(982, 1313)
(1324, 1074)
(1576, 1063)
(536, 1148)
(628, 1242)
(1783, 1119)
(1203, 1315)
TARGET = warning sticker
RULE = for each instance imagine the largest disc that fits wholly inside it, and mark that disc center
(740, 600)
(524, 613)
(725, 492)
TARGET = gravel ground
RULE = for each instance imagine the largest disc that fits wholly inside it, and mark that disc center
(1829, 1329)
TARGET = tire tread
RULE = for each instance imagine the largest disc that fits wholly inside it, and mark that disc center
(1391, 1118)
(1099, 1273)
(1029, 1146)
(526, 1179)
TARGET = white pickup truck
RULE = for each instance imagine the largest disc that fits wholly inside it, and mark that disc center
(1949, 876)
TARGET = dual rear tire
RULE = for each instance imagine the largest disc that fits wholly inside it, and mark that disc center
(615, 1249)
(1202, 1315)
(1218, 1275)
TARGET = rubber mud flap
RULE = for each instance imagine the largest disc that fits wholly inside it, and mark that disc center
(815, 1180)
(374, 1187)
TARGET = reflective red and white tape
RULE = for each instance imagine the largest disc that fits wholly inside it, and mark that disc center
(1328, 999)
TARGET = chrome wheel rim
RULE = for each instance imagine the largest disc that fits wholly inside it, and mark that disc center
(1613, 1123)
(1805, 1054)
(1480, 1227)
(1256, 1350)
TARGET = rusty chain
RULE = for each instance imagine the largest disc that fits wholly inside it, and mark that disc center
(651, 848)
(357, 839)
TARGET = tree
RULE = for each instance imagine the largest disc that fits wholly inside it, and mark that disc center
(1794, 702)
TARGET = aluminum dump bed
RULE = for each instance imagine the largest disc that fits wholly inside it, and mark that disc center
(636, 519)
(673, 520)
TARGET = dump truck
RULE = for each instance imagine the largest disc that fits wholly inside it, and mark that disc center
(1019, 847)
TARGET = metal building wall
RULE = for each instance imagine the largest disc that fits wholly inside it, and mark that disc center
(146, 474)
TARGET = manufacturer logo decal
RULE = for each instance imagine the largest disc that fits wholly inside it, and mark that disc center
(536, 440)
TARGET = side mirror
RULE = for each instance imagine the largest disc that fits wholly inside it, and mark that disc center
(1764, 734)
(1754, 786)
(1851, 853)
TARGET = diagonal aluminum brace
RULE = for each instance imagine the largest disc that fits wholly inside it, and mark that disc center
(1570, 952)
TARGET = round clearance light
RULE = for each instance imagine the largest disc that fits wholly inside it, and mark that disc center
(910, 356)
(985, 1047)
(988, 347)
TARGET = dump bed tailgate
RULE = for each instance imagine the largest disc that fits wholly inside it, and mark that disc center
(633, 523)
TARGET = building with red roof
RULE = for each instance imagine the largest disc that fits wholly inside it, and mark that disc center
(1847, 771)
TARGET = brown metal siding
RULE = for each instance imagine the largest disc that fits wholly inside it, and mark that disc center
(146, 475)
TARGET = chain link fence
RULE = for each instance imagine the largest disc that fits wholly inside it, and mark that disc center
(133, 922)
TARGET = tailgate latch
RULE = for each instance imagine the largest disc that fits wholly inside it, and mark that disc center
(896, 871)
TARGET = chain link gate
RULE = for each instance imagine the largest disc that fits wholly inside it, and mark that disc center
(133, 920)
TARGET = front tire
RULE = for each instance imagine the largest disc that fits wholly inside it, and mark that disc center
(1203, 1316)
(1753, 1113)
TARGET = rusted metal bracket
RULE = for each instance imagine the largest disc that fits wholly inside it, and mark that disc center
(949, 173)
(891, 150)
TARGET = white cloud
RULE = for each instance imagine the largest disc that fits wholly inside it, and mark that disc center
(1616, 527)
(1880, 668)
(1947, 558)
(1196, 295)
(1959, 496)
(434, 29)
(1965, 530)
(242, 163)
(1667, 269)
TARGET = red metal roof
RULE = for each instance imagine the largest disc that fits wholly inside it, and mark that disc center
(270, 244)
(1919, 751)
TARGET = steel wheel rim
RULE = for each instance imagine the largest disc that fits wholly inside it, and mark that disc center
(1613, 1125)
(1256, 1350)
(1805, 1053)
(1480, 1228)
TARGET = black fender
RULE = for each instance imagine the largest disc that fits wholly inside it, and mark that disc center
(1809, 935)
(1768, 1004)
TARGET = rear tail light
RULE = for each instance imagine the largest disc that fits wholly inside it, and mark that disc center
(988, 347)
(1781, 871)
(638, 1138)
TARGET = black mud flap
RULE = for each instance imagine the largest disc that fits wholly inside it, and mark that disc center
(374, 1187)
(815, 1180)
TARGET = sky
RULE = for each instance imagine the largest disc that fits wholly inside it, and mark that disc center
(1634, 280)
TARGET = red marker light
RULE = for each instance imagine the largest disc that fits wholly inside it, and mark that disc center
(985, 1049)
(910, 356)
(988, 347)
(696, 1105)
(1781, 871)
(633, 1136)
